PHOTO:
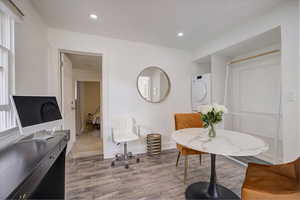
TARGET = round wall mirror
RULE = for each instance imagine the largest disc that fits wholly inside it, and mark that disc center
(153, 84)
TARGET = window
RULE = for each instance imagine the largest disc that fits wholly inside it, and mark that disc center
(144, 85)
(7, 57)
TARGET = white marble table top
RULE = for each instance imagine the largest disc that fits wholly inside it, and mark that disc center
(227, 143)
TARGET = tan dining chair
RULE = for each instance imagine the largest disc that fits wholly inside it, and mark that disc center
(182, 121)
(272, 182)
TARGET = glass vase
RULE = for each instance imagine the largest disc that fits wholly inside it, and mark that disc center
(212, 131)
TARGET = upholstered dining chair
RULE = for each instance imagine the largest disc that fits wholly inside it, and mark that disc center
(274, 182)
(182, 121)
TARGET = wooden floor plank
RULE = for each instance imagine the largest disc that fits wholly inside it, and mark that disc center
(154, 178)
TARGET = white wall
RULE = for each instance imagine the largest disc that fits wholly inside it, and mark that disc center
(31, 52)
(218, 74)
(204, 68)
(122, 62)
(286, 16)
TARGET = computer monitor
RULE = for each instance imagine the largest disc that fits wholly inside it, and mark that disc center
(36, 113)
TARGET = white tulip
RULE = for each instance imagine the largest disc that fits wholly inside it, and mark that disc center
(204, 109)
(220, 108)
(216, 107)
(224, 109)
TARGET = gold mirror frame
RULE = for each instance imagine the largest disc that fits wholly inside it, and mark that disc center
(168, 79)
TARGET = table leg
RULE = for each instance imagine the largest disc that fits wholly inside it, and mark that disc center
(211, 190)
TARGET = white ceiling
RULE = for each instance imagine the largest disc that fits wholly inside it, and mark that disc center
(155, 22)
(85, 62)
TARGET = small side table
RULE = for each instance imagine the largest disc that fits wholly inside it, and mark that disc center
(153, 144)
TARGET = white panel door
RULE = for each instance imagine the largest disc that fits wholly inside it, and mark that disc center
(68, 97)
(255, 101)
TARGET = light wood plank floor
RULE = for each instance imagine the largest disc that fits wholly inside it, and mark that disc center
(87, 144)
(151, 179)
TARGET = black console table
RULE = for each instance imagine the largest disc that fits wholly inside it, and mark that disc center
(34, 169)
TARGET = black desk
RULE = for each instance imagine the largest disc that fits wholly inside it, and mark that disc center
(34, 169)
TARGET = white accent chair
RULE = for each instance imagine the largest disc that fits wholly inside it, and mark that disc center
(124, 130)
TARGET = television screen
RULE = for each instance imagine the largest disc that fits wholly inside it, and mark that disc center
(33, 110)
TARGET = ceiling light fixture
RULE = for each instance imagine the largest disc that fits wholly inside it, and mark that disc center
(180, 34)
(93, 16)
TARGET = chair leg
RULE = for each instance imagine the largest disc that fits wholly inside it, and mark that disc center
(178, 159)
(125, 151)
(200, 159)
(185, 168)
(126, 156)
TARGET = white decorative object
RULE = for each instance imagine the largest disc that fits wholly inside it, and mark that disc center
(153, 84)
(212, 115)
(124, 130)
(204, 109)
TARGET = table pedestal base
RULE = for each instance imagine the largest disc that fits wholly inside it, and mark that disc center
(199, 191)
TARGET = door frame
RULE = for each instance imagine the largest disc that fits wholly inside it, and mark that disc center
(102, 88)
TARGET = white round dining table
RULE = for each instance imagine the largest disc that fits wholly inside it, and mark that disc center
(226, 143)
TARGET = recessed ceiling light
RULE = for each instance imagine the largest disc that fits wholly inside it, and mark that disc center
(93, 16)
(180, 34)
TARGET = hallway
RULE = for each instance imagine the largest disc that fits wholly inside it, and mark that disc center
(87, 144)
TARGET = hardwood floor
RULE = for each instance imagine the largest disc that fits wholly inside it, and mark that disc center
(87, 144)
(151, 179)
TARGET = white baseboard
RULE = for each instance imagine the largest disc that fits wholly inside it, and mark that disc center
(70, 146)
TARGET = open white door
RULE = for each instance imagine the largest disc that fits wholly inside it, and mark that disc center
(68, 98)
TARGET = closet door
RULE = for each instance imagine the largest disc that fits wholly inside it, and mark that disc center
(255, 101)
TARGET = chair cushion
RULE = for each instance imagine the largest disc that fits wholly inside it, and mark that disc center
(188, 120)
(125, 137)
(263, 183)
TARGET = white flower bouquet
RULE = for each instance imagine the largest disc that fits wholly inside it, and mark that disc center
(211, 115)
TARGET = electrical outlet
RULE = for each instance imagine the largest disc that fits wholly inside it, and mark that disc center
(292, 96)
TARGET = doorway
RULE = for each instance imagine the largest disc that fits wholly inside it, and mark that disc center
(81, 86)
